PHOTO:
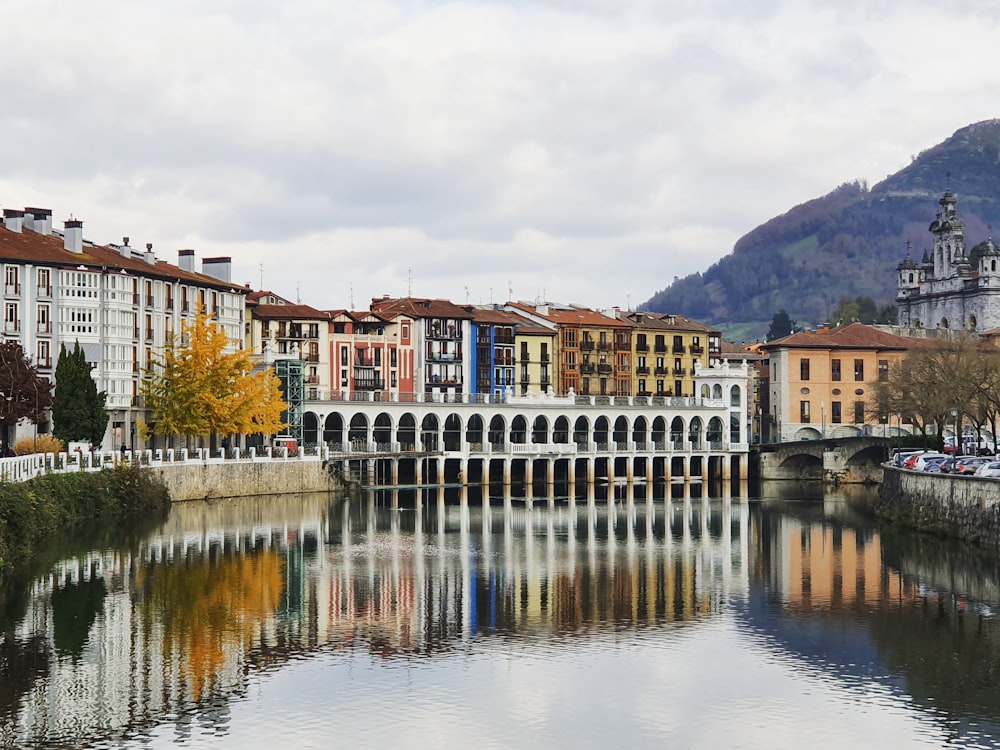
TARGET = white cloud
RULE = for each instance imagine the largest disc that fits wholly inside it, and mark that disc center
(591, 150)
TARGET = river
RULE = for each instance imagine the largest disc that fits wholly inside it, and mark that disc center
(785, 621)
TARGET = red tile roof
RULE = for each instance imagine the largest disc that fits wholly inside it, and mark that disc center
(573, 315)
(290, 312)
(420, 308)
(49, 250)
(853, 336)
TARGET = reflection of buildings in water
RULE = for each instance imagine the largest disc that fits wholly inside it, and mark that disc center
(224, 588)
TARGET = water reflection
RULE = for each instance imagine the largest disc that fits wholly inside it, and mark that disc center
(113, 645)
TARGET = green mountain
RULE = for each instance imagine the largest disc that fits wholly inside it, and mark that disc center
(845, 244)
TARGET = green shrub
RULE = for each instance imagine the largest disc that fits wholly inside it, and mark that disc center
(33, 511)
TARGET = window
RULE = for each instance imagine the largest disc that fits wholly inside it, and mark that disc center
(44, 319)
(10, 277)
(392, 358)
(804, 412)
(44, 281)
(883, 370)
(835, 412)
(835, 370)
(43, 354)
(859, 369)
(642, 386)
(859, 412)
(804, 368)
(343, 355)
(10, 316)
(404, 331)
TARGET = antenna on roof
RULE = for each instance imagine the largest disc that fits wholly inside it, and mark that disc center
(298, 296)
(261, 268)
(510, 290)
(466, 295)
(409, 282)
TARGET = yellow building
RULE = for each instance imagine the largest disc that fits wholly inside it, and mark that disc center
(535, 353)
(664, 350)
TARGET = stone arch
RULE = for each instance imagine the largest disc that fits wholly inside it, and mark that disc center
(735, 396)
(474, 431)
(944, 323)
(333, 429)
(358, 432)
(581, 432)
(714, 433)
(560, 430)
(518, 430)
(809, 433)
(406, 433)
(498, 431)
(973, 322)
(677, 433)
(695, 430)
(382, 429)
(639, 431)
(452, 434)
(620, 435)
(310, 428)
(601, 430)
(659, 433)
(540, 430)
(429, 428)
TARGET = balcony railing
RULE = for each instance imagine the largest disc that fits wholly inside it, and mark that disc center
(604, 369)
(642, 370)
(642, 347)
(697, 349)
(660, 371)
(588, 369)
(587, 346)
(679, 348)
(660, 348)
(680, 371)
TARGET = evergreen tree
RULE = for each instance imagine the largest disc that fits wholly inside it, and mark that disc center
(24, 394)
(781, 325)
(79, 412)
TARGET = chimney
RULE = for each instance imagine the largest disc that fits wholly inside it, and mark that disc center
(73, 235)
(185, 260)
(41, 220)
(13, 219)
(149, 256)
(217, 268)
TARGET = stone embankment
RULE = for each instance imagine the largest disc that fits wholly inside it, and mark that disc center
(961, 507)
(209, 481)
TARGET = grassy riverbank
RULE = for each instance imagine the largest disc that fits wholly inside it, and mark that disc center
(33, 512)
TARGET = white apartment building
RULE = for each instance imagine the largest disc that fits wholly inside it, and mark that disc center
(120, 303)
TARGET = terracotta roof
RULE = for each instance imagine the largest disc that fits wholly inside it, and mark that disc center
(290, 312)
(49, 250)
(668, 322)
(573, 315)
(854, 336)
(732, 351)
(420, 308)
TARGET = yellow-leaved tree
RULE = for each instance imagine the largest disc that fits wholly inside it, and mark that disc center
(196, 388)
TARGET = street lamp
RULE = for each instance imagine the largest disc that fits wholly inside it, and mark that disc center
(822, 409)
(954, 413)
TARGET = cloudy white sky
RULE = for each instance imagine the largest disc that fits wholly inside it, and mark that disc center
(580, 150)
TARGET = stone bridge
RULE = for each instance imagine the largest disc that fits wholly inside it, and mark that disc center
(840, 460)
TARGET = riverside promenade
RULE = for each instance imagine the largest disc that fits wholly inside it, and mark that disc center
(198, 474)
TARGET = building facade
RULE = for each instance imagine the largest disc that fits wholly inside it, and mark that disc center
(121, 303)
(951, 287)
(665, 351)
(822, 384)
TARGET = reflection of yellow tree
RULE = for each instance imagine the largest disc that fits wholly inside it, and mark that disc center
(211, 609)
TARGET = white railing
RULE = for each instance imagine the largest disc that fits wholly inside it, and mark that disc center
(23, 468)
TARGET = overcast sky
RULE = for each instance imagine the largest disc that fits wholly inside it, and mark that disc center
(577, 150)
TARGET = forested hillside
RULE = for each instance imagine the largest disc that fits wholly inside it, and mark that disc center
(845, 244)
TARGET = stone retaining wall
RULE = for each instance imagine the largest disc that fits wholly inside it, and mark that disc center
(205, 481)
(961, 507)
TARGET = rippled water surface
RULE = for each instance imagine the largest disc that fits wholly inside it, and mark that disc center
(312, 621)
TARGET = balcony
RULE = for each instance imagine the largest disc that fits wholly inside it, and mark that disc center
(642, 370)
(369, 384)
(312, 379)
(544, 358)
(642, 347)
(504, 338)
(697, 349)
(44, 291)
(679, 371)
(622, 346)
(149, 334)
(43, 327)
(604, 369)
(660, 348)
(447, 332)
(588, 369)
(660, 371)
(679, 348)
(587, 345)
(149, 300)
(604, 346)
(444, 356)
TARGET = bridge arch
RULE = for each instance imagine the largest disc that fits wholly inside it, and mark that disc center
(808, 433)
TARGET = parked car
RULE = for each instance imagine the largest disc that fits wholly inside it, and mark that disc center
(934, 463)
(952, 464)
(989, 469)
(969, 464)
(920, 460)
